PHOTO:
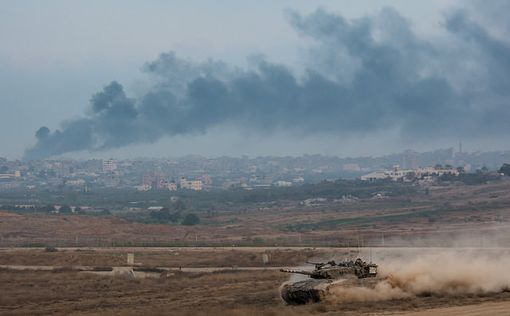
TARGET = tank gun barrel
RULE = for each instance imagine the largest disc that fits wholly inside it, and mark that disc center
(296, 271)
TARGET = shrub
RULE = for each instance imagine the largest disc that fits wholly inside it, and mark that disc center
(190, 219)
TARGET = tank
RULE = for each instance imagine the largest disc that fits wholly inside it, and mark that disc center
(322, 277)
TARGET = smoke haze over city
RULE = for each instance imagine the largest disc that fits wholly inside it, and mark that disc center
(350, 78)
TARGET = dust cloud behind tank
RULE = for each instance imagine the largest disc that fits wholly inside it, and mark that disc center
(323, 277)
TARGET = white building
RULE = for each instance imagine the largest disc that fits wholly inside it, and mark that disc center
(401, 174)
(143, 187)
(76, 182)
(376, 175)
(298, 180)
(283, 183)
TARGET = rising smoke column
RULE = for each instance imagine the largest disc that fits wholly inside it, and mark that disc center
(365, 75)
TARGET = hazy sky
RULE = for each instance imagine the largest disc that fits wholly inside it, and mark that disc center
(56, 55)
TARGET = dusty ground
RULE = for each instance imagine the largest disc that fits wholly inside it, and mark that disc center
(65, 292)
(226, 293)
(491, 308)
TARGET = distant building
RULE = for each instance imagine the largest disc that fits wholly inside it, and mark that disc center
(148, 179)
(76, 182)
(190, 184)
(143, 187)
(298, 180)
(172, 186)
(376, 175)
(395, 174)
(195, 185)
(183, 183)
(161, 184)
(433, 171)
(402, 174)
(6, 176)
(109, 165)
(206, 180)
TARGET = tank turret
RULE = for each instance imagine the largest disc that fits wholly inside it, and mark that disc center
(333, 270)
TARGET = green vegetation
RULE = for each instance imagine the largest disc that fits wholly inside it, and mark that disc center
(191, 219)
(202, 201)
(165, 216)
(65, 209)
(505, 169)
(480, 177)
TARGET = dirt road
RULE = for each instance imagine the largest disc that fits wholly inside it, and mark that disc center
(183, 269)
(483, 309)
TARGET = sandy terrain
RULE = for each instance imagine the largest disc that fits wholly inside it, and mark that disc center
(225, 293)
(493, 309)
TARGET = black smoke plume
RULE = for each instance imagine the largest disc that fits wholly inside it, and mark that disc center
(364, 75)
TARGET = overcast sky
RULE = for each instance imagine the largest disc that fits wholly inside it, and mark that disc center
(55, 55)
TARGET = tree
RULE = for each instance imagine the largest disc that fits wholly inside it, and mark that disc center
(505, 169)
(190, 219)
(160, 216)
(410, 176)
(47, 208)
(164, 215)
(175, 217)
(65, 209)
(179, 205)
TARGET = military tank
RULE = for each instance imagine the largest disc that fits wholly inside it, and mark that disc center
(322, 277)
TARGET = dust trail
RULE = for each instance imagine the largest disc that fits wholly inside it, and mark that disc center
(441, 273)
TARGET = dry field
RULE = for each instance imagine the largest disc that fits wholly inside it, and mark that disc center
(445, 211)
(166, 257)
(225, 293)
(430, 281)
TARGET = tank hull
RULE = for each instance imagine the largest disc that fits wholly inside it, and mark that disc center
(303, 292)
(313, 290)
